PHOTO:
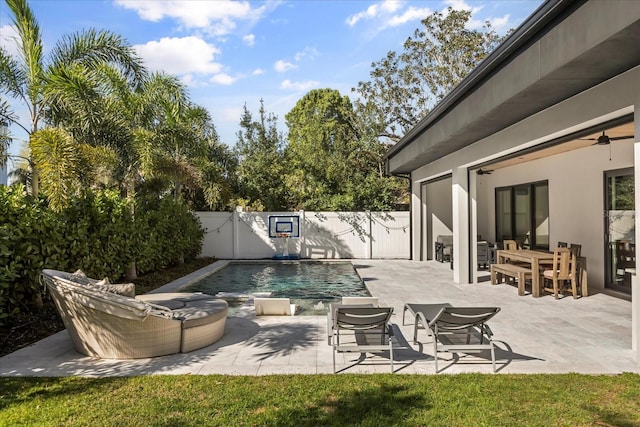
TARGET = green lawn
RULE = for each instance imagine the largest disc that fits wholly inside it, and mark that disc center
(320, 400)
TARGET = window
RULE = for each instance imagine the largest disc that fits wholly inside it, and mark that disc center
(522, 214)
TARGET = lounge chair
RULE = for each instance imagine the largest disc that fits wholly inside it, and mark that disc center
(106, 321)
(373, 301)
(361, 329)
(455, 329)
(274, 307)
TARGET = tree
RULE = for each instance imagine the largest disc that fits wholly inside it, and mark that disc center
(6, 115)
(406, 85)
(181, 134)
(26, 77)
(261, 165)
(333, 166)
(219, 186)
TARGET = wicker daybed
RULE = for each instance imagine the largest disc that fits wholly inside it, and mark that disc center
(107, 321)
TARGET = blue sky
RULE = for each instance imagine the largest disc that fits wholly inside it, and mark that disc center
(234, 52)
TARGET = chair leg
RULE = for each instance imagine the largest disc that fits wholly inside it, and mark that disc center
(493, 357)
(391, 353)
(555, 288)
(334, 359)
(435, 352)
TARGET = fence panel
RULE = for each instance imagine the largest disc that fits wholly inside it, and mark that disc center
(218, 238)
(245, 235)
(390, 235)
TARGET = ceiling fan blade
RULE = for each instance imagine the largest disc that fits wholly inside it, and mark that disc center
(616, 138)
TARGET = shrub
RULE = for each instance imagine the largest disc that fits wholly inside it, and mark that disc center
(170, 234)
(96, 233)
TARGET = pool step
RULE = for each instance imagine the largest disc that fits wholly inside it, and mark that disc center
(241, 297)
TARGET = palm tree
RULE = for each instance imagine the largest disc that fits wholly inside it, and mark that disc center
(28, 76)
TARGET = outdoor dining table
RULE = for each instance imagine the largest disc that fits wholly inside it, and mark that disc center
(535, 258)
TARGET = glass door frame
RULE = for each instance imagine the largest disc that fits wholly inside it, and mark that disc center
(531, 187)
(610, 282)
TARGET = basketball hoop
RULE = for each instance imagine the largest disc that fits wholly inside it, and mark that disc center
(281, 229)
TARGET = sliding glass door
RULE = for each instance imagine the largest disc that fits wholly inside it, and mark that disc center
(620, 229)
(522, 214)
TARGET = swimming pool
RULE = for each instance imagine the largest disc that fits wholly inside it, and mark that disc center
(311, 285)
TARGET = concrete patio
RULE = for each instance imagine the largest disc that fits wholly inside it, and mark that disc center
(590, 335)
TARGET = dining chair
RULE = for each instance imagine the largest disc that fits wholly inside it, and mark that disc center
(575, 248)
(625, 261)
(511, 245)
(563, 270)
(562, 244)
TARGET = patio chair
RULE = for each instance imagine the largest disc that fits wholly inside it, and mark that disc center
(462, 330)
(511, 245)
(562, 270)
(360, 329)
(444, 248)
(373, 301)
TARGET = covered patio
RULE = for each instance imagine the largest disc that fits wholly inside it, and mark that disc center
(532, 335)
(540, 144)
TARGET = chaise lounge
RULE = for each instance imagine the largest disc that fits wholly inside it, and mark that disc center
(110, 322)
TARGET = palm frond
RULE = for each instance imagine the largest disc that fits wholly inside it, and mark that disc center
(12, 76)
(55, 154)
(30, 43)
(93, 48)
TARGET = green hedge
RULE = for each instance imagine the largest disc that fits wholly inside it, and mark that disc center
(96, 233)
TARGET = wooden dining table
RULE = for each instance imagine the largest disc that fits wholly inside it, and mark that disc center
(534, 258)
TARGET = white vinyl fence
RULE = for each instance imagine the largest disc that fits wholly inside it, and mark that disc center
(365, 235)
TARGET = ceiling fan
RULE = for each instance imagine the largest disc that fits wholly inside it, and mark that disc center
(605, 139)
(484, 171)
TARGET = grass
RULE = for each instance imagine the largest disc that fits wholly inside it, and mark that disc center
(314, 400)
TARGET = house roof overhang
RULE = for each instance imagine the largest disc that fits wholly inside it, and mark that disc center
(564, 48)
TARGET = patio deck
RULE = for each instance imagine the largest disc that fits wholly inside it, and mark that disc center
(533, 335)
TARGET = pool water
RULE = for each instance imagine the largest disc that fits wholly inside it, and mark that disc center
(311, 285)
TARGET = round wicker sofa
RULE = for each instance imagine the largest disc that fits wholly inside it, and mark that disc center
(105, 324)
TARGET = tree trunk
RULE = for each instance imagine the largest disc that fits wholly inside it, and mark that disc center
(131, 272)
(177, 196)
(35, 181)
(177, 193)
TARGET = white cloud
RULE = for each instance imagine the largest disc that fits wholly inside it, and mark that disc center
(463, 5)
(299, 86)
(307, 52)
(500, 24)
(9, 39)
(223, 79)
(249, 39)
(390, 14)
(375, 10)
(218, 17)
(411, 14)
(180, 55)
(257, 72)
(281, 66)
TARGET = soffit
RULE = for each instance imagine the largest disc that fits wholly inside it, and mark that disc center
(624, 130)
